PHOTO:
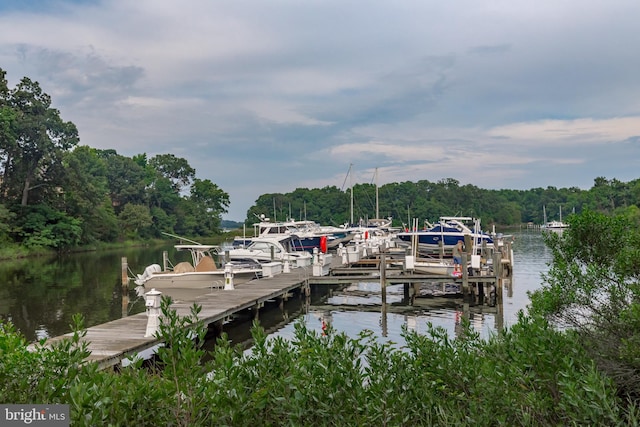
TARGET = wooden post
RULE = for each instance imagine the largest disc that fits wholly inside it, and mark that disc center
(383, 289)
(256, 311)
(465, 277)
(497, 270)
(509, 250)
(383, 281)
(468, 244)
(125, 273)
(499, 314)
(216, 328)
(125, 303)
(125, 287)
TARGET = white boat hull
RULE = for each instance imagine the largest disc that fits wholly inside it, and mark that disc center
(198, 280)
(433, 267)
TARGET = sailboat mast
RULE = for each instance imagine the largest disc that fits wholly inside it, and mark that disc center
(377, 206)
(351, 185)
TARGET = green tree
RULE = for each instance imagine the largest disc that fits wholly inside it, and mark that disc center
(135, 220)
(209, 203)
(86, 194)
(593, 287)
(126, 180)
(34, 138)
(176, 169)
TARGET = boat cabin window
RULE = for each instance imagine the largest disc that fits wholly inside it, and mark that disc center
(264, 247)
(273, 230)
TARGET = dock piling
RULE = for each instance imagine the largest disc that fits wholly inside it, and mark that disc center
(125, 272)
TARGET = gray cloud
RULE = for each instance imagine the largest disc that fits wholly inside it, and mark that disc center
(266, 97)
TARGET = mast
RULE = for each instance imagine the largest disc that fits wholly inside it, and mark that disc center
(377, 206)
(274, 210)
(351, 184)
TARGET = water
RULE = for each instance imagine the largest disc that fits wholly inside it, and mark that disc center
(40, 296)
(358, 308)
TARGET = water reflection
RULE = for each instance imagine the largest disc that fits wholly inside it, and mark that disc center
(41, 295)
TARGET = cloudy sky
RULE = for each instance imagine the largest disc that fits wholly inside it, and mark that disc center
(265, 96)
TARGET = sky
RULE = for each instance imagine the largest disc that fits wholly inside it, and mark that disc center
(269, 96)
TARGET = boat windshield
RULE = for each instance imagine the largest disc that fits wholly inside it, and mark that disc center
(264, 247)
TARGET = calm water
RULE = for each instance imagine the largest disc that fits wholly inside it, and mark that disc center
(40, 296)
(353, 313)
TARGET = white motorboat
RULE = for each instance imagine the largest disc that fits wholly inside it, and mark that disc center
(201, 272)
(266, 249)
(307, 235)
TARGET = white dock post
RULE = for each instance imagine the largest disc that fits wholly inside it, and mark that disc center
(228, 277)
(287, 267)
(152, 302)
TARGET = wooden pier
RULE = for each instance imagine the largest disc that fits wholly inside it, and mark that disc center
(112, 342)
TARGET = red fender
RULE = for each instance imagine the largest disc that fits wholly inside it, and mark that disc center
(323, 244)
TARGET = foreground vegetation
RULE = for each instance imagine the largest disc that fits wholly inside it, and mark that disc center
(530, 375)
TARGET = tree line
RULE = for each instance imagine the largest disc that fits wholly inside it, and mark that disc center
(56, 194)
(430, 200)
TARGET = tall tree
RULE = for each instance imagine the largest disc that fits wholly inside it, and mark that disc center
(86, 194)
(168, 175)
(32, 154)
(175, 169)
(126, 180)
(210, 202)
(8, 136)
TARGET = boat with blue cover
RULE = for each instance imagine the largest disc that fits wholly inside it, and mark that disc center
(446, 233)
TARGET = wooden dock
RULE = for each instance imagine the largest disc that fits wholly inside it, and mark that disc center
(114, 341)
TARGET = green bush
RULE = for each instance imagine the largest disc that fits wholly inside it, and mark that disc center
(593, 288)
(530, 375)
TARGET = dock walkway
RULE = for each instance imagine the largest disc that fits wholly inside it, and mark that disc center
(112, 342)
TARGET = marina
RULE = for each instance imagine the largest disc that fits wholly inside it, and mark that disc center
(113, 342)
